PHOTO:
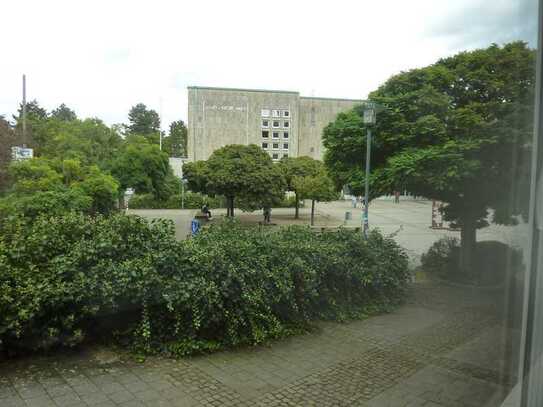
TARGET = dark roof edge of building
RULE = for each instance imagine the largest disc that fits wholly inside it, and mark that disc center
(339, 99)
(243, 90)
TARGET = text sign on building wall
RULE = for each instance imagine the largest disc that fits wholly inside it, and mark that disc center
(227, 108)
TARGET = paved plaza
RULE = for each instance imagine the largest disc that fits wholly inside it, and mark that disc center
(445, 347)
(409, 221)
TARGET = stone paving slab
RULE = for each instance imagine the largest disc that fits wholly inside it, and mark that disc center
(434, 351)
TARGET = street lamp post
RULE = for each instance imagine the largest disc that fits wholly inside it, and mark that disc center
(369, 120)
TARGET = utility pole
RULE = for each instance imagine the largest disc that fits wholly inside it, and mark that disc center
(24, 110)
(160, 125)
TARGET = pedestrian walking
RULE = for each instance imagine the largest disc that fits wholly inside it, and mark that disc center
(267, 214)
(396, 196)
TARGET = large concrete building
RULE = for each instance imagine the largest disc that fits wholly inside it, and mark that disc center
(283, 123)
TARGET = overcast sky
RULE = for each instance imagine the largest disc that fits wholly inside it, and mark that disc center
(102, 57)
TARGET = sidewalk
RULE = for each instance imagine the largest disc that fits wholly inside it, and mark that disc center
(445, 347)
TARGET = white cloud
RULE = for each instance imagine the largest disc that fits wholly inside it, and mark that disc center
(102, 57)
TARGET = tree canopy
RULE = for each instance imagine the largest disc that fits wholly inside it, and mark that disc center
(144, 121)
(64, 113)
(318, 187)
(237, 171)
(56, 186)
(176, 142)
(457, 131)
(145, 168)
(292, 167)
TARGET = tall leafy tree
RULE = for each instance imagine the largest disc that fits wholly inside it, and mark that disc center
(64, 113)
(457, 131)
(145, 168)
(237, 171)
(144, 121)
(292, 167)
(176, 142)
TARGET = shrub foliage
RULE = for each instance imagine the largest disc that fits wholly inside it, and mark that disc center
(65, 278)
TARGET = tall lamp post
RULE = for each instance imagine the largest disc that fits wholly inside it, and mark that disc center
(370, 112)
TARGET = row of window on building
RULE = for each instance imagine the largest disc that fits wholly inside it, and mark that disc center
(275, 156)
(274, 146)
(275, 113)
(276, 124)
(275, 134)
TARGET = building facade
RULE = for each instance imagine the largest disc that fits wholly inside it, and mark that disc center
(283, 123)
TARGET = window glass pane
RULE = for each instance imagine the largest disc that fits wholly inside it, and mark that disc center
(265, 133)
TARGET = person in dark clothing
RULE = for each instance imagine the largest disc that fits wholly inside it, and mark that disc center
(267, 215)
(206, 211)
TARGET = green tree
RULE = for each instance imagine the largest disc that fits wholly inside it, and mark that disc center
(56, 186)
(145, 168)
(145, 122)
(176, 143)
(318, 188)
(237, 171)
(292, 167)
(64, 113)
(89, 141)
(457, 131)
(7, 140)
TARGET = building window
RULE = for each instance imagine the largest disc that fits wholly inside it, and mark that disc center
(275, 123)
(285, 134)
(265, 133)
(276, 113)
(265, 123)
(286, 113)
(275, 134)
(285, 154)
(275, 156)
(285, 146)
(276, 146)
(265, 112)
(264, 145)
(286, 124)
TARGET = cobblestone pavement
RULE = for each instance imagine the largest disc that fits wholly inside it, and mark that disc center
(445, 347)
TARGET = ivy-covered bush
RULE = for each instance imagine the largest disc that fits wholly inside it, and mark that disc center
(63, 279)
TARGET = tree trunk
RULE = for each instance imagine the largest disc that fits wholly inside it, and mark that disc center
(312, 212)
(468, 238)
(296, 205)
(232, 206)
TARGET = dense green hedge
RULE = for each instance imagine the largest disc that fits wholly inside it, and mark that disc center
(193, 200)
(66, 278)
